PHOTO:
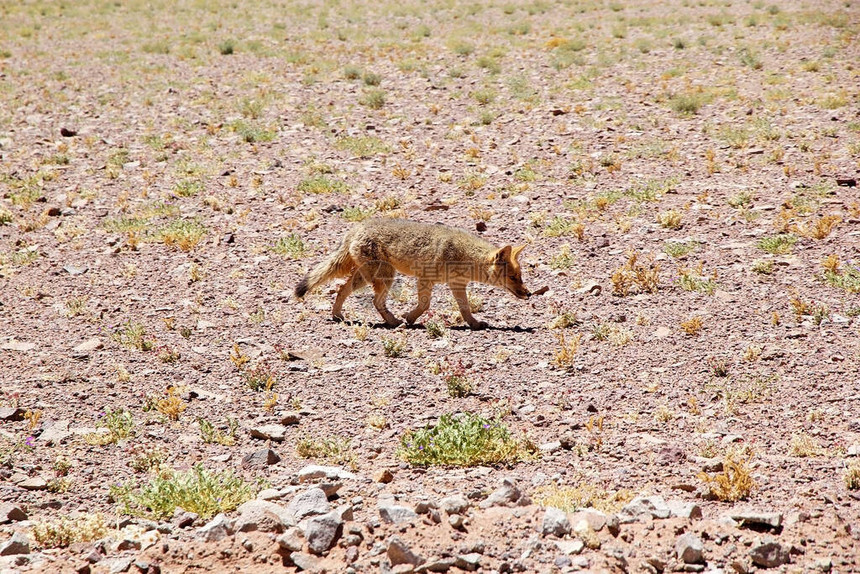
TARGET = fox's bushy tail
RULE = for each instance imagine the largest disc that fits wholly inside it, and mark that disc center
(338, 264)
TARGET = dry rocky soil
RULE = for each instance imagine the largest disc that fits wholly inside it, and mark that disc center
(684, 397)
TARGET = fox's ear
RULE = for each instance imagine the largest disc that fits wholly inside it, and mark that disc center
(502, 255)
(515, 252)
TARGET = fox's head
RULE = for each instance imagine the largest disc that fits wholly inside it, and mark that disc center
(505, 270)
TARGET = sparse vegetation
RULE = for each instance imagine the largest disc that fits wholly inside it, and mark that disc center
(634, 277)
(583, 495)
(198, 490)
(733, 483)
(467, 439)
(777, 244)
(333, 449)
(66, 531)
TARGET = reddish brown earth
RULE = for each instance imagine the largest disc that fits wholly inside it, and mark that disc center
(525, 127)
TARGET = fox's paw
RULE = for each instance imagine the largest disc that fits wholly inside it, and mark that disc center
(478, 325)
(338, 318)
(393, 324)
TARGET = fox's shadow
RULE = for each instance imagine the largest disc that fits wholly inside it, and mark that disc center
(420, 326)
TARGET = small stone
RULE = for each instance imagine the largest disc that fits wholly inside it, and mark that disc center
(683, 509)
(653, 506)
(311, 502)
(276, 433)
(12, 414)
(769, 553)
(269, 494)
(601, 242)
(395, 514)
(290, 418)
(68, 133)
(550, 447)
(75, 269)
(323, 531)
(11, 513)
(555, 523)
(595, 518)
(17, 544)
(383, 476)
(613, 525)
(469, 562)
(345, 512)
(689, 549)
(118, 565)
(292, 540)
(184, 519)
(455, 504)
(216, 529)
(34, 483)
(20, 346)
(505, 495)
(661, 332)
(587, 534)
(456, 521)
(260, 459)
(304, 561)
(771, 520)
(263, 516)
(90, 345)
(400, 553)
(570, 546)
(314, 471)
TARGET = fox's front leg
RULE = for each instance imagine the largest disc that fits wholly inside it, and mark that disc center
(459, 292)
(425, 293)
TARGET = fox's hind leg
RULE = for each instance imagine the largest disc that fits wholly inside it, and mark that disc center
(355, 282)
(425, 292)
(381, 276)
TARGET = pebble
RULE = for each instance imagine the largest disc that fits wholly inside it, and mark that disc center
(322, 532)
(769, 553)
(689, 549)
(399, 553)
(276, 433)
(555, 523)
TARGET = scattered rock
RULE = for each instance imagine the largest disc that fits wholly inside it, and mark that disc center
(269, 494)
(74, 269)
(653, 506)
(689, 549)
(19, 346)
(683, 509)
(455, 504)
(11, 513)
(661, 332)
(12, 414)
(468, 562)
(555, 523)
(34, 483)
(769, 553)
(384, 476)
(394, 514)
(88, 346)
(323, 531)
(311, 502)
(400, 553)
(276, 433)
(293, 540)
(507, 494)
(315, 471)
(18, 544)
(304, 561)
(68, 133)
(264, 516)
(290, 418)
(184, 519)
(456, 521)
(260, 459)
(218, 528)
(570, 546)
(595, 518)
(587, 534)
(758, 520)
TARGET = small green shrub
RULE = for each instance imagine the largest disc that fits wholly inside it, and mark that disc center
(322, 184)
(777, 244)
(198, 490)
(133, 336)
(212, 435)
(226, 47)
(290, 246)
(467, 439)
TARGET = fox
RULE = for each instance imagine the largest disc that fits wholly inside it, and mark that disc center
(374, 250)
